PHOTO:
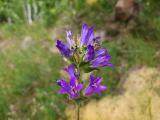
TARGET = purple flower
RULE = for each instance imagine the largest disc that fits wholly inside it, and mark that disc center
(97, 58)
(87, 35)
(94, 86)
(70, 42)
(71, 72)
(73, 87)
(64, 49)
(67, 88)
(101, 52)
(89, 53)
(102, 58)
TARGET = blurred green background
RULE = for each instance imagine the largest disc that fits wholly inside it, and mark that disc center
(30, 63)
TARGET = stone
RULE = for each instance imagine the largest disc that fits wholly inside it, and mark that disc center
(126, 10)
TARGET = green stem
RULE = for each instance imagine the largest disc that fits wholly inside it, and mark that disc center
(150, 110)
(77, 111)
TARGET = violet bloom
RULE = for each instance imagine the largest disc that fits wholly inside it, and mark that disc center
(70, 42)
(97, 58)
(73, 87)
(102, 58)
(95, 86)
(89, 53)
(65, 49)
(87, 35)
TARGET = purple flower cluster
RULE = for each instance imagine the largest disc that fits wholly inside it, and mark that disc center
(73, 87)
(83, 53)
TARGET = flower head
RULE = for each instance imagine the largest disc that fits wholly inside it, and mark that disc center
(94, 86)
(89, 53)
(71, 71)
(73, 87)
(64, 49)
(102, 58)
(87, 35)
(97, 58)
(70, 42)
(86, 51)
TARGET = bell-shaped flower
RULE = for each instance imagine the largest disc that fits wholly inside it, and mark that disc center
(72, 87)
(89, 53)
(66, 49)
(102, 58)
(95, 86)
(87, 35)
(70, 41)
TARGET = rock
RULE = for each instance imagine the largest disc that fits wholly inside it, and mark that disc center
(125, 10)
(139, 101)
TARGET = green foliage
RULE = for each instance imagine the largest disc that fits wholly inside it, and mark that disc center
(19, 31)
(50, 11)
(28, 88)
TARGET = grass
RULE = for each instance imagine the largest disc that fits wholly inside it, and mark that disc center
(19, 31)
(28, 88)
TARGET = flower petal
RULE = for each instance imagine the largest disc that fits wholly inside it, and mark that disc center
(101, 61)
(83, 34)
(89, 37)
(70, 70)
(94, 86)
(65, 51)
(72, 73)
(89, 91)
(92, 79)
(89, 54)
(73, 95)
(97, 91)
(102, 88)
(79, 87)
(98, 80)
(64, 85)
(73, 82)
(62, 91)
(69, 39)
(101, 52)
